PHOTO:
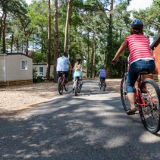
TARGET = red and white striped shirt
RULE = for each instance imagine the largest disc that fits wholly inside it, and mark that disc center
(139, 48)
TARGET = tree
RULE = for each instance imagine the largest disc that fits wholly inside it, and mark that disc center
(49, 40)
(15, 9)
(150, 17)
(55, 38)
(67, 25)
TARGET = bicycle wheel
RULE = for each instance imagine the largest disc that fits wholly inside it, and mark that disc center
(66, 87)
(150, 112)
(101, 84)
(60, 87)
(79, 87)
(76, 88)
(104, 85)
(124, 99)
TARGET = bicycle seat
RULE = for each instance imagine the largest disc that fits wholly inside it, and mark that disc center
(144, 72)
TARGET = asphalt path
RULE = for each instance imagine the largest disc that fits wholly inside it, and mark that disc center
(90, 126)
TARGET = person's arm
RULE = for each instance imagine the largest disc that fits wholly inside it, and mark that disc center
(70, 66)
(75, 66)
(152, 52)
(98, 72)
(120, 51)
(81, 68)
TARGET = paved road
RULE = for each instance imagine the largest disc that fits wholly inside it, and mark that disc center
(91, 126)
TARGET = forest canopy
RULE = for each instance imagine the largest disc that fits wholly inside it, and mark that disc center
(96, 30)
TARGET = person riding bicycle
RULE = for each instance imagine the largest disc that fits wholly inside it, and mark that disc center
(102, 74)
(77, 70)
(63, 65)
(140, 58)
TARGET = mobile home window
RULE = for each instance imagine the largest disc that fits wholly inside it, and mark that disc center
(41, 71)
(24, 65)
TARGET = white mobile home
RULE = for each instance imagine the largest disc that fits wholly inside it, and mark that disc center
(15, 68)
(41, 69)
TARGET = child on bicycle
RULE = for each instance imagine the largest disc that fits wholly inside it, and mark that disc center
(77, 70)
(140, 58)
(102, 74)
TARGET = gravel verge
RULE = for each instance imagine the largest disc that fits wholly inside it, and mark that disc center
(19, 98)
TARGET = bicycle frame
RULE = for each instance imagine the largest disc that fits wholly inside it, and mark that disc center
(63, 79)
(147, 100)
(137, 94)
(102, 81)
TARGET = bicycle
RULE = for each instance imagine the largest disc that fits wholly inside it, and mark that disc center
(61, 83)
(147, 100)
(102, 84)
(77, 86)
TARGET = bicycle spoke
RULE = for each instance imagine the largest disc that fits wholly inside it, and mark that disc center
(151, 110)
(124, 98)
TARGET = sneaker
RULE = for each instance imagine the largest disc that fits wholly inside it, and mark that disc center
(131, 111)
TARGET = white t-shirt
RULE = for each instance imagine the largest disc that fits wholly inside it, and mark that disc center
(62, 64)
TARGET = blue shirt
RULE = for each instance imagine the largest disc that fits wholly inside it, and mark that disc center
(102, 73)
(62, 64)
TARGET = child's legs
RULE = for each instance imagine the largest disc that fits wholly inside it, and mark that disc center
(74, 80)
(102, 79)
(133, 73)
(131, 79)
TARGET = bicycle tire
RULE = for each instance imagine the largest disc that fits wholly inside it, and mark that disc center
(79, 87)
(124, 99)
(101, 84)
(100, 87)
(76, 88)
(104, 86)
(60, 87)
(151, 111)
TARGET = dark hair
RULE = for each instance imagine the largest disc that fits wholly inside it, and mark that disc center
(78, 59)
(136, 31)
(136, 27)
(102, 66)
(65, 54)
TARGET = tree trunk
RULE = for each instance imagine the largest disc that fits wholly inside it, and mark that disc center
(88, 57)
(110, 37)
(49, 40)
(55, 38)
(12, 41)
(4, 32)
(1, 27)
(22, 46)
(67, 26)
(91, 75)
(17, 45)
(159, 30)
(26, 47)
(94, 55)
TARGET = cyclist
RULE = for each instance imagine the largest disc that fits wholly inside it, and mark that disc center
(140, 58)
(77, 70)
(63, 65)
(102, 74)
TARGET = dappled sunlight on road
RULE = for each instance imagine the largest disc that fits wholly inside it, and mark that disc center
(115, 122)
(74, 128)
(147, 137)
(117, 142)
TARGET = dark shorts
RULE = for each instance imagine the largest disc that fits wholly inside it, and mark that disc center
(59, 73)
(102, 78)
(135, 69)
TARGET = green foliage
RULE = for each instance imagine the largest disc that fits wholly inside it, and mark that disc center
(88, 18)
(38, 57)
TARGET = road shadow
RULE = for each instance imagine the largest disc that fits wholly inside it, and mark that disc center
(77, 128)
